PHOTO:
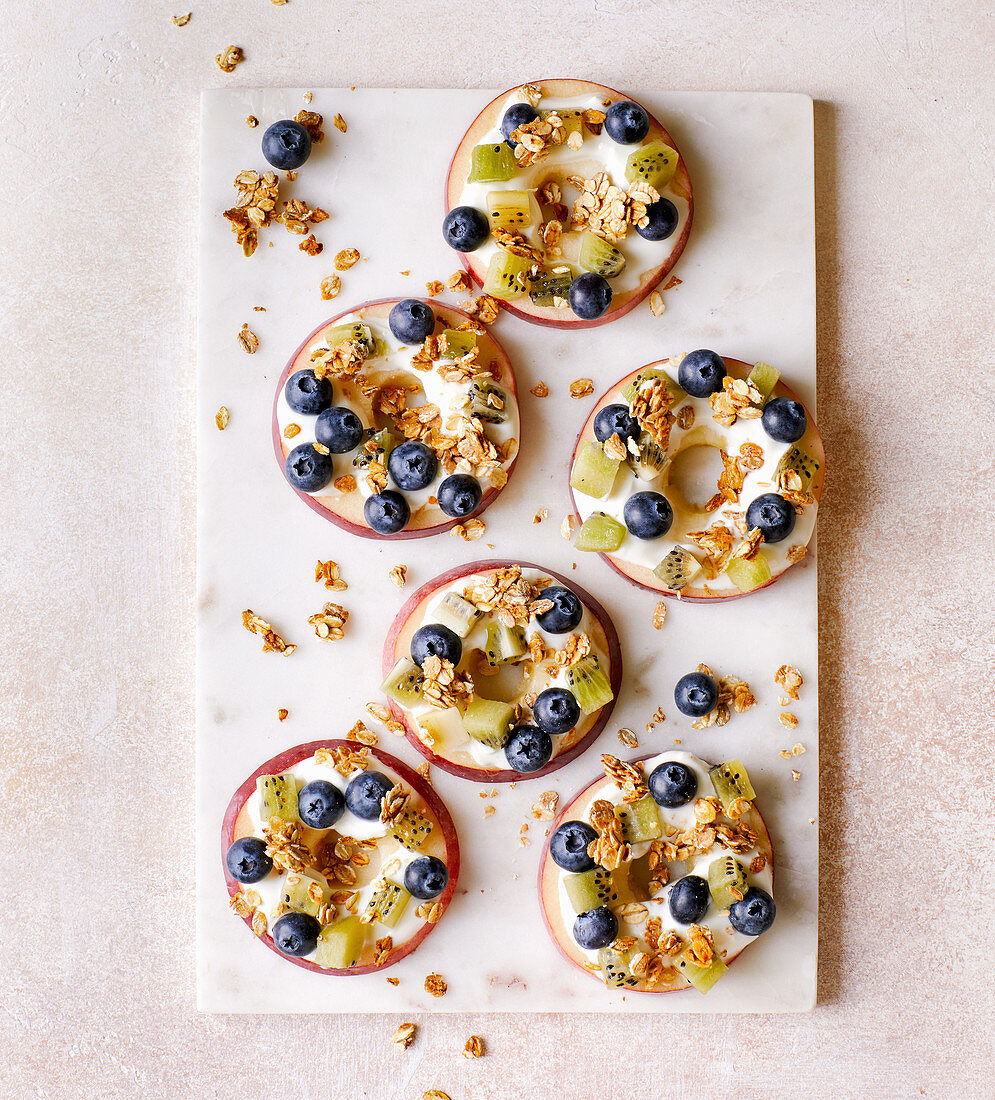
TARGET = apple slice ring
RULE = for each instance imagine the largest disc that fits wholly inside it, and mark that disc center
(348, 863)
(469, 730)
(456, 394)
(709, 471)
(634, 910)
(532, 195)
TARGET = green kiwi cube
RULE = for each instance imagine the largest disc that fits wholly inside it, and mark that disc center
(730, 781)
(677, 569)
(376, 449)
(387, 903)
(358, 331)
(459, 342)
(411, 829)
(764, 377)
(589, 890)
(487, 402)
(597, 255)
(701, 977)
(674, 391)
(488, 721)
(587, 680)
(726, 881)
(404, 683)
(550, 287)
(277, 797)
(654, 163)
(615, 968)
(599, 533)
(505, 277)
(492, 164)
(571, 118)
(341, 943)
(456, 613)
(512, 210)
(748, 574)
(504, 644)
(305, 892)
(804, 465)
(651, 461)
(593, 472)
(639, 820)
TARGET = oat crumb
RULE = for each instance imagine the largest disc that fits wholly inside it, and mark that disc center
(434, 287)
(795, 775)
(229, 58)
(328, 623)
(394, 981)
(272, 642)
(405, 1034)
(435, 1094)
(331, 285)
(398, 575)
(282, 714)
(182, 20)
(540, 389)
(436, 985)
(788, 720)
(474, 1047)
(567, 527)
(329, 573)
(252, 122)
(311, 245)
(345, 259)
(581, 387)
(248, 340)
(659, 615)
(222, 418)
(540, 515)
(339, 123)
(657, 308)
(628, 738)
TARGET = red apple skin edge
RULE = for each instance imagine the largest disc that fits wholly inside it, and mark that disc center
(288, 759)
(640, 575)
(444, 312)
(547, 881)
(507, 775)
(548, 317)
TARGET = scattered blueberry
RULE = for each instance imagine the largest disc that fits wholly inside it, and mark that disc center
(465, 228)
(365, 792)
(701, 373)
(412, 465)
(386, 512)
(528, 748)
(339, 429)
(296, 934)
(689, 899)
(286, 144)
(320, 804)
(556, 710)
(459, 495)
(590, 296)
(754, 913)
(435, 640)
(696, 694)
(518, 114)
(663, 219)
(784, 420)
(773, 515)
(647, 515)
(426, 877)
(568, 846)
(307, 469)
(247, 860)
(595, 928)
(626, 122)
(672, 784)
(306, 393)
(615, 419)
(411, 321)
(566, 612)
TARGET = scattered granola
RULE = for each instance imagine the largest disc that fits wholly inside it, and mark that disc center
(248, 340)
(627, 777)
(628, 738)
(329, 621)
(182, 20)
(251, 121)
(435, 1094)
(228, 58)
(738, 399)
(343, 759)
(540, 515)
(609, 849)
(297, 215)
(222, 418)
(540, 389)
(329, 573)
(405, 1035)
(459, 282)
(581, 387)
(311, 245)
(470, 531)
(545, 808)
(790, 679)
(345, 259)
(795, 775)
(567, 527)
(474, 1047)
(339, 123)
(398, 575)
(436, 985)
(434, 287)
(312, 122)
(657, 308)
(659, 615)
(788, 720)
(271, 640)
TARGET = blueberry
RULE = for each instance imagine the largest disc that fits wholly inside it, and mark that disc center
(247, 860)
(307, 469)
(339, 429)
(386, 512)
(465, 228)
(615, 419)
(556, 710)
(696, 694)
(626, 122)
(411, 321)
(568, 846)
(663, 219)
(566, 612)
(647, 515)
(296, 934)
(286, 144)
(412, 465)
(306, 393)
(435, 640)
(689, 899)
(425, 878)
(784, 420)
(773, 515)
(459, 495)
(595, 928)
(754, 913)
(701, 373)
(365, 792)
(528, 748)
(518, 114)
(590, 296)
(672, 784)
(320, 804)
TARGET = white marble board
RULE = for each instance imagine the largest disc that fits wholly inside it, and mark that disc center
(748, 291)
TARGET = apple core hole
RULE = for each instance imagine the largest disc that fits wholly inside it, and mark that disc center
(693, 476)
(507, 684)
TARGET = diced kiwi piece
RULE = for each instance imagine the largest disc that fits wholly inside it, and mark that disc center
(504, 643)
(587, 680)
(459, 342)
(731, 782)
(599, 533)
(590, 889)
(404, 683)
(654, 163)
(593, 472)
(651, 461)
(376, 449)
(747, 574)
(803, 464)
(359, 332)
(571, 118)
(411, 829)
(387, 903)
(639, 820)
(456, 613)
(492, 163)
(550, 285)
(615, 968)
(726, 881)
(305, 892)
(677, 568)
(277, 797)
(488, 721)
(513, 210)
(597, 255)
(341, 943)
(764, 377)
(630, 390)
(701, 977)
(487, 403)
(442, 728)
(505, 277)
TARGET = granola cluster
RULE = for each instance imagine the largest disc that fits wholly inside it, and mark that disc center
(255, 204)
(605, 209)
(507, 595)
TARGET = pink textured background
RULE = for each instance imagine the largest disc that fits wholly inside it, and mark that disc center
(98, 108)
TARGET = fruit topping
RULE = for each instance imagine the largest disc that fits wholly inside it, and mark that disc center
(599, 533)
(550, 286)
(320, 804)
(376, 449)
(571, 119)
(556, 710)
(277, 797)
(305, 893)
(459, 495)
(632, 388)
(689, 899)
(595, 928)
(492, 164)
(308, 469)
(339, 429)
(296, 934)
(677, 568)
(754, 914)
(512, 210)
(590, 889)
(341, 943)
(763, 377)
(696, 694)
(593, 472)
(615, 420)
(387, 903)
(412, 466)
(590, 296)
(518, 114)
(528, 748)
(650, 462)
(749, 573)
(306, 393)
(365, 792)
(436, 640)
(488, 721)
(773, 515)
(458, 342)
(597, 255)
(487, 403)
(566, 612)
(803, 465)
(701, 977)
(426, 877)
(648, 515)
(456, 614)
(411, 829)
(386, 512)
(247, 860)
(731, 782)
(626, 122)
(615, 968)
(403, 683)
(411, 321)
(504, 643)
(701, 373)
(286, 144)
(568, 846)
(672, 784)
(784, 420)
(662, 218)
(639, 820)
(465, 228)
(726, 881)
(654, 164)
(505, 278)
(587, 680)
(358, 332)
